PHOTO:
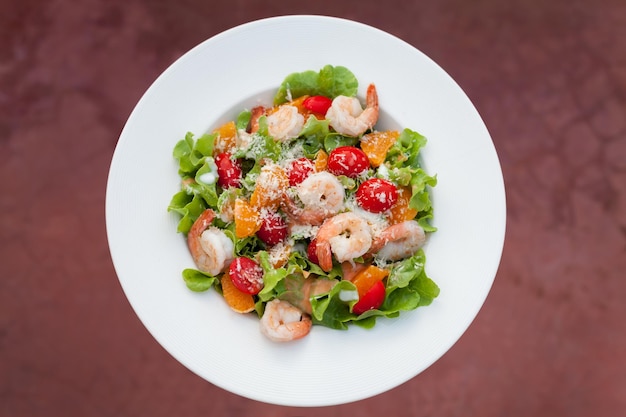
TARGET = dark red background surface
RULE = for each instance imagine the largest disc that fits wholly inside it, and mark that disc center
(549, 79)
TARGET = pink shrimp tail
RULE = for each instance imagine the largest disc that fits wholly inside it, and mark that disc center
(200, 225)
(371, 99)
(324, 255)
(255, 115)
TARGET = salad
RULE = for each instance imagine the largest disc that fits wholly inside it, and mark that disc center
(303, 213)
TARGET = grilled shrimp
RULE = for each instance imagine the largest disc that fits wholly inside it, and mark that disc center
(322, 196)
(348, 118)
(282, 322)
(398, 241)
(211, 250)
(346, 235)
(285, 123)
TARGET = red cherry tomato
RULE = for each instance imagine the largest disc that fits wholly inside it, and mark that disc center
(312, 252)
(371, 300)
(348, 161)
(273, 229)
(228, 170)
(246, 275)
(317, 104)
(299, 170)
(377, 195)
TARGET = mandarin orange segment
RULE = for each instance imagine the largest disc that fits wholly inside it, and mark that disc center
(321, 161)
(279, 255)
(271, 185)
(247, 219)
(298, 103)
(368, 277)
(236, 300)
(226, 138)
(376, 144)
(401, 211)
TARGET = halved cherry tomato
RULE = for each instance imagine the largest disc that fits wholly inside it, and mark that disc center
(377, 195)
(348, 161)
(312, 252)
(371, 300)
(246, 275)
(299, 170)
(273, 229)
(317, 104)
(228, 170)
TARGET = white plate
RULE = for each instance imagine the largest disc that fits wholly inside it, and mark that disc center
(209, 85)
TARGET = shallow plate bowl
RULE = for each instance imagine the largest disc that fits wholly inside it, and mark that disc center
(209, 85)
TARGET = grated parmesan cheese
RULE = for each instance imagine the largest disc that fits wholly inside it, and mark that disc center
(383, 171)
(303, 231)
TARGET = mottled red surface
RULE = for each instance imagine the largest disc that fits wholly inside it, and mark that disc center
(549, 79)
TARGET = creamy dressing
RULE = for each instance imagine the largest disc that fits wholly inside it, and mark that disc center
(212, 176)
(348, 295)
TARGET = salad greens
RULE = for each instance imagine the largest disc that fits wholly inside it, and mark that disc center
(329, 82)
(407, 285)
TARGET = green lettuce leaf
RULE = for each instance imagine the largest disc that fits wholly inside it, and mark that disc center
(335, 140)
(190, 153)
(198, 281)
(271, 277)
(296, 85)
(243, 119)
(194, 197)
(405, 151)
(207, 191)
(408, 286)
(247, 246)
(337, 81)
(312, 136)
(329, 81)
(189, 206)
(330, 311)
(181, 152)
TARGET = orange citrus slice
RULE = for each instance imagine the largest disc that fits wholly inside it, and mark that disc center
(298, 103)
(279, 255)
(321, 161)
(270, 187)
(376, 144)
(368, 277)
(237, 300)
(226, 138)
(401, 211)
(247, 219)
